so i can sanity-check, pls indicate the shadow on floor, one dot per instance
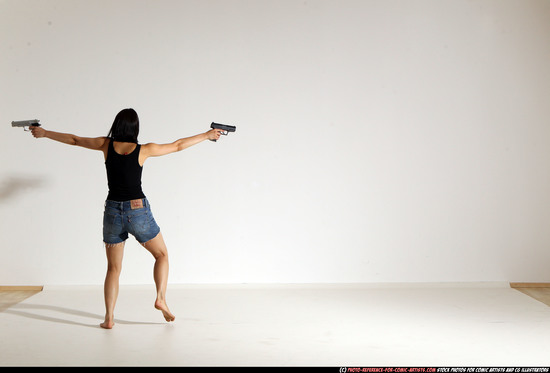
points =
(26, 310)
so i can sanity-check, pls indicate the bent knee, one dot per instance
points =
(160, 254)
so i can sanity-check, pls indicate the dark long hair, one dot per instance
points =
(125, 128)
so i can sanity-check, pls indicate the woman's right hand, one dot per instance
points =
(214, 134)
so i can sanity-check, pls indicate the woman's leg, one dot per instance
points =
(157, 247)
(114, 266)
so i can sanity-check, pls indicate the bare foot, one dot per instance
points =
(107, 324)
(161, 305)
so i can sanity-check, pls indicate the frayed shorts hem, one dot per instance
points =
(111, 244)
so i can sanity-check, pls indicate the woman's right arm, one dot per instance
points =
(157, 150)
(94, 143)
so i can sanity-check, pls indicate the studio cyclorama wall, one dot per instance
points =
(377, 141)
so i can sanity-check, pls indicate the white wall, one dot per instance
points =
(377, 141)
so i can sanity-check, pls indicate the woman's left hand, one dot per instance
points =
(38, 131)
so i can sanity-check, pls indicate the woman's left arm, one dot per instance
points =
(94, 143)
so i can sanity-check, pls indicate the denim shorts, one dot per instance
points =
(120, 218)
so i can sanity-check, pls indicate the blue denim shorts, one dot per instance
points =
(121, 218)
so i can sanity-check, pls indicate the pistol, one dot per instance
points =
(26, 124)
(226, 128)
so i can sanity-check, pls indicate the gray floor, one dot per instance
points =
(281, 325)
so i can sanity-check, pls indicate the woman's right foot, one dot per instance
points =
(107, 325)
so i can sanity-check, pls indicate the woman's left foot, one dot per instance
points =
(161, 305)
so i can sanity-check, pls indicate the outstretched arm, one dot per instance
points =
(97, 143)
(156, 150)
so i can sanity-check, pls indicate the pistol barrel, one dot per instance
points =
(223, 127)
(25, 123)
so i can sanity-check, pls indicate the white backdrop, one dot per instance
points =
(377, 141)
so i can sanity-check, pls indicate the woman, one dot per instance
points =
(127, 210)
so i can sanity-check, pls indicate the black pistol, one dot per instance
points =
(224, 127)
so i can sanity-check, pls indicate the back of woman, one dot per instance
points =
(127, 210)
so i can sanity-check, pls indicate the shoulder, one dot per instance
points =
(146, 149)
(107, 143)
(155, 150)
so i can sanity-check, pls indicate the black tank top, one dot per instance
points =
(123, 175)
